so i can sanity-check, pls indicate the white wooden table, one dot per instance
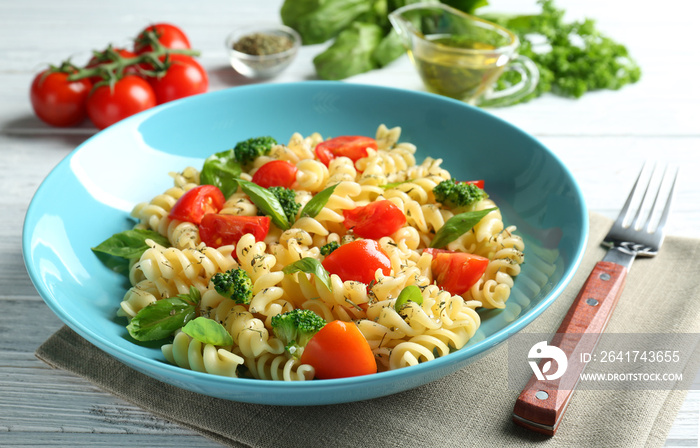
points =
(604, 138)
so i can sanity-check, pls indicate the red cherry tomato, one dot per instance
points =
(339, 350)
(197, 202)
(184, 77)
(374, 220)
(358, 261)
(351, 146)
(170, 36)
(106, 105)
(221, 230)
(57, 101)
(456, 272)
(478, 183)
(106, 57)
(277, 173)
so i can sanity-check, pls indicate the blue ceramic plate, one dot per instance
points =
(89, 195)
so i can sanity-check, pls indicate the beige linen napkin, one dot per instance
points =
(471, 407)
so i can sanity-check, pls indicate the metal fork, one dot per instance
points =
(639, 230)
(642, 236)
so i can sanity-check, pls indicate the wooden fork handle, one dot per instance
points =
(541, 404)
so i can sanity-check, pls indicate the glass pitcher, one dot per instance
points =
(461, 56)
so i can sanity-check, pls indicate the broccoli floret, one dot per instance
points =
(287, 198)
(295, 328)
(458, 194)
(326, 249)
(248, 150)
(234, 283)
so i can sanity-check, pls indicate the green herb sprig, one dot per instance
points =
(573, 57)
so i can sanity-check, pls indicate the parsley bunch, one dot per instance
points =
(572, 57)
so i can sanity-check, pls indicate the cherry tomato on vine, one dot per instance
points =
(276, 173)
(352, 146)
(170, 36)
(197, 202)
(106, 56)
(57, 101)
(374, 220)
(108, 104)
(358, 261)
(184, 77)
(339, 350)
(221, 230)
(456, 272)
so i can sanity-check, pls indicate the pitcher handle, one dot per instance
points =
(529, 75)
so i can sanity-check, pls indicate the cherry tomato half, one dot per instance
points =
(358, 261)
(352, 146)
(339, 350)
(277, 173)
(170, 36)
(197, 202)
(221, 230)
(108, 104)
(57, 101)
(184, 77)
(456, 272)
(374, 220)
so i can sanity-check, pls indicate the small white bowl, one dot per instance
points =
(262, 66)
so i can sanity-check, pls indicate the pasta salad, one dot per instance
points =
(319, 258)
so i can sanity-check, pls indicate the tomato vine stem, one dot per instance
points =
(111, 65)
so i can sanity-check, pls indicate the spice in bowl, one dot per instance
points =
(262, 52)
(263, 44)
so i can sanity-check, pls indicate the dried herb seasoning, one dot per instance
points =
(261, 44)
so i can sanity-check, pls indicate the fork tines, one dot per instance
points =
(645, 198)
(640, 226)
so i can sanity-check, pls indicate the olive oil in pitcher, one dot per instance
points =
(447, 70)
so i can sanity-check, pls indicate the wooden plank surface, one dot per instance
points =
(603, 138)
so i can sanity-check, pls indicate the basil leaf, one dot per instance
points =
(266, 202)
(161, 319)
(389, 48)
(221, 170)
(350, 53)
(409, 293)
(457, 226)
(208, 331)
(130, 243)
(117, 251)
(316, 204)
(319, 21)
(310, 265)
(116, 264)
(395, 184)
